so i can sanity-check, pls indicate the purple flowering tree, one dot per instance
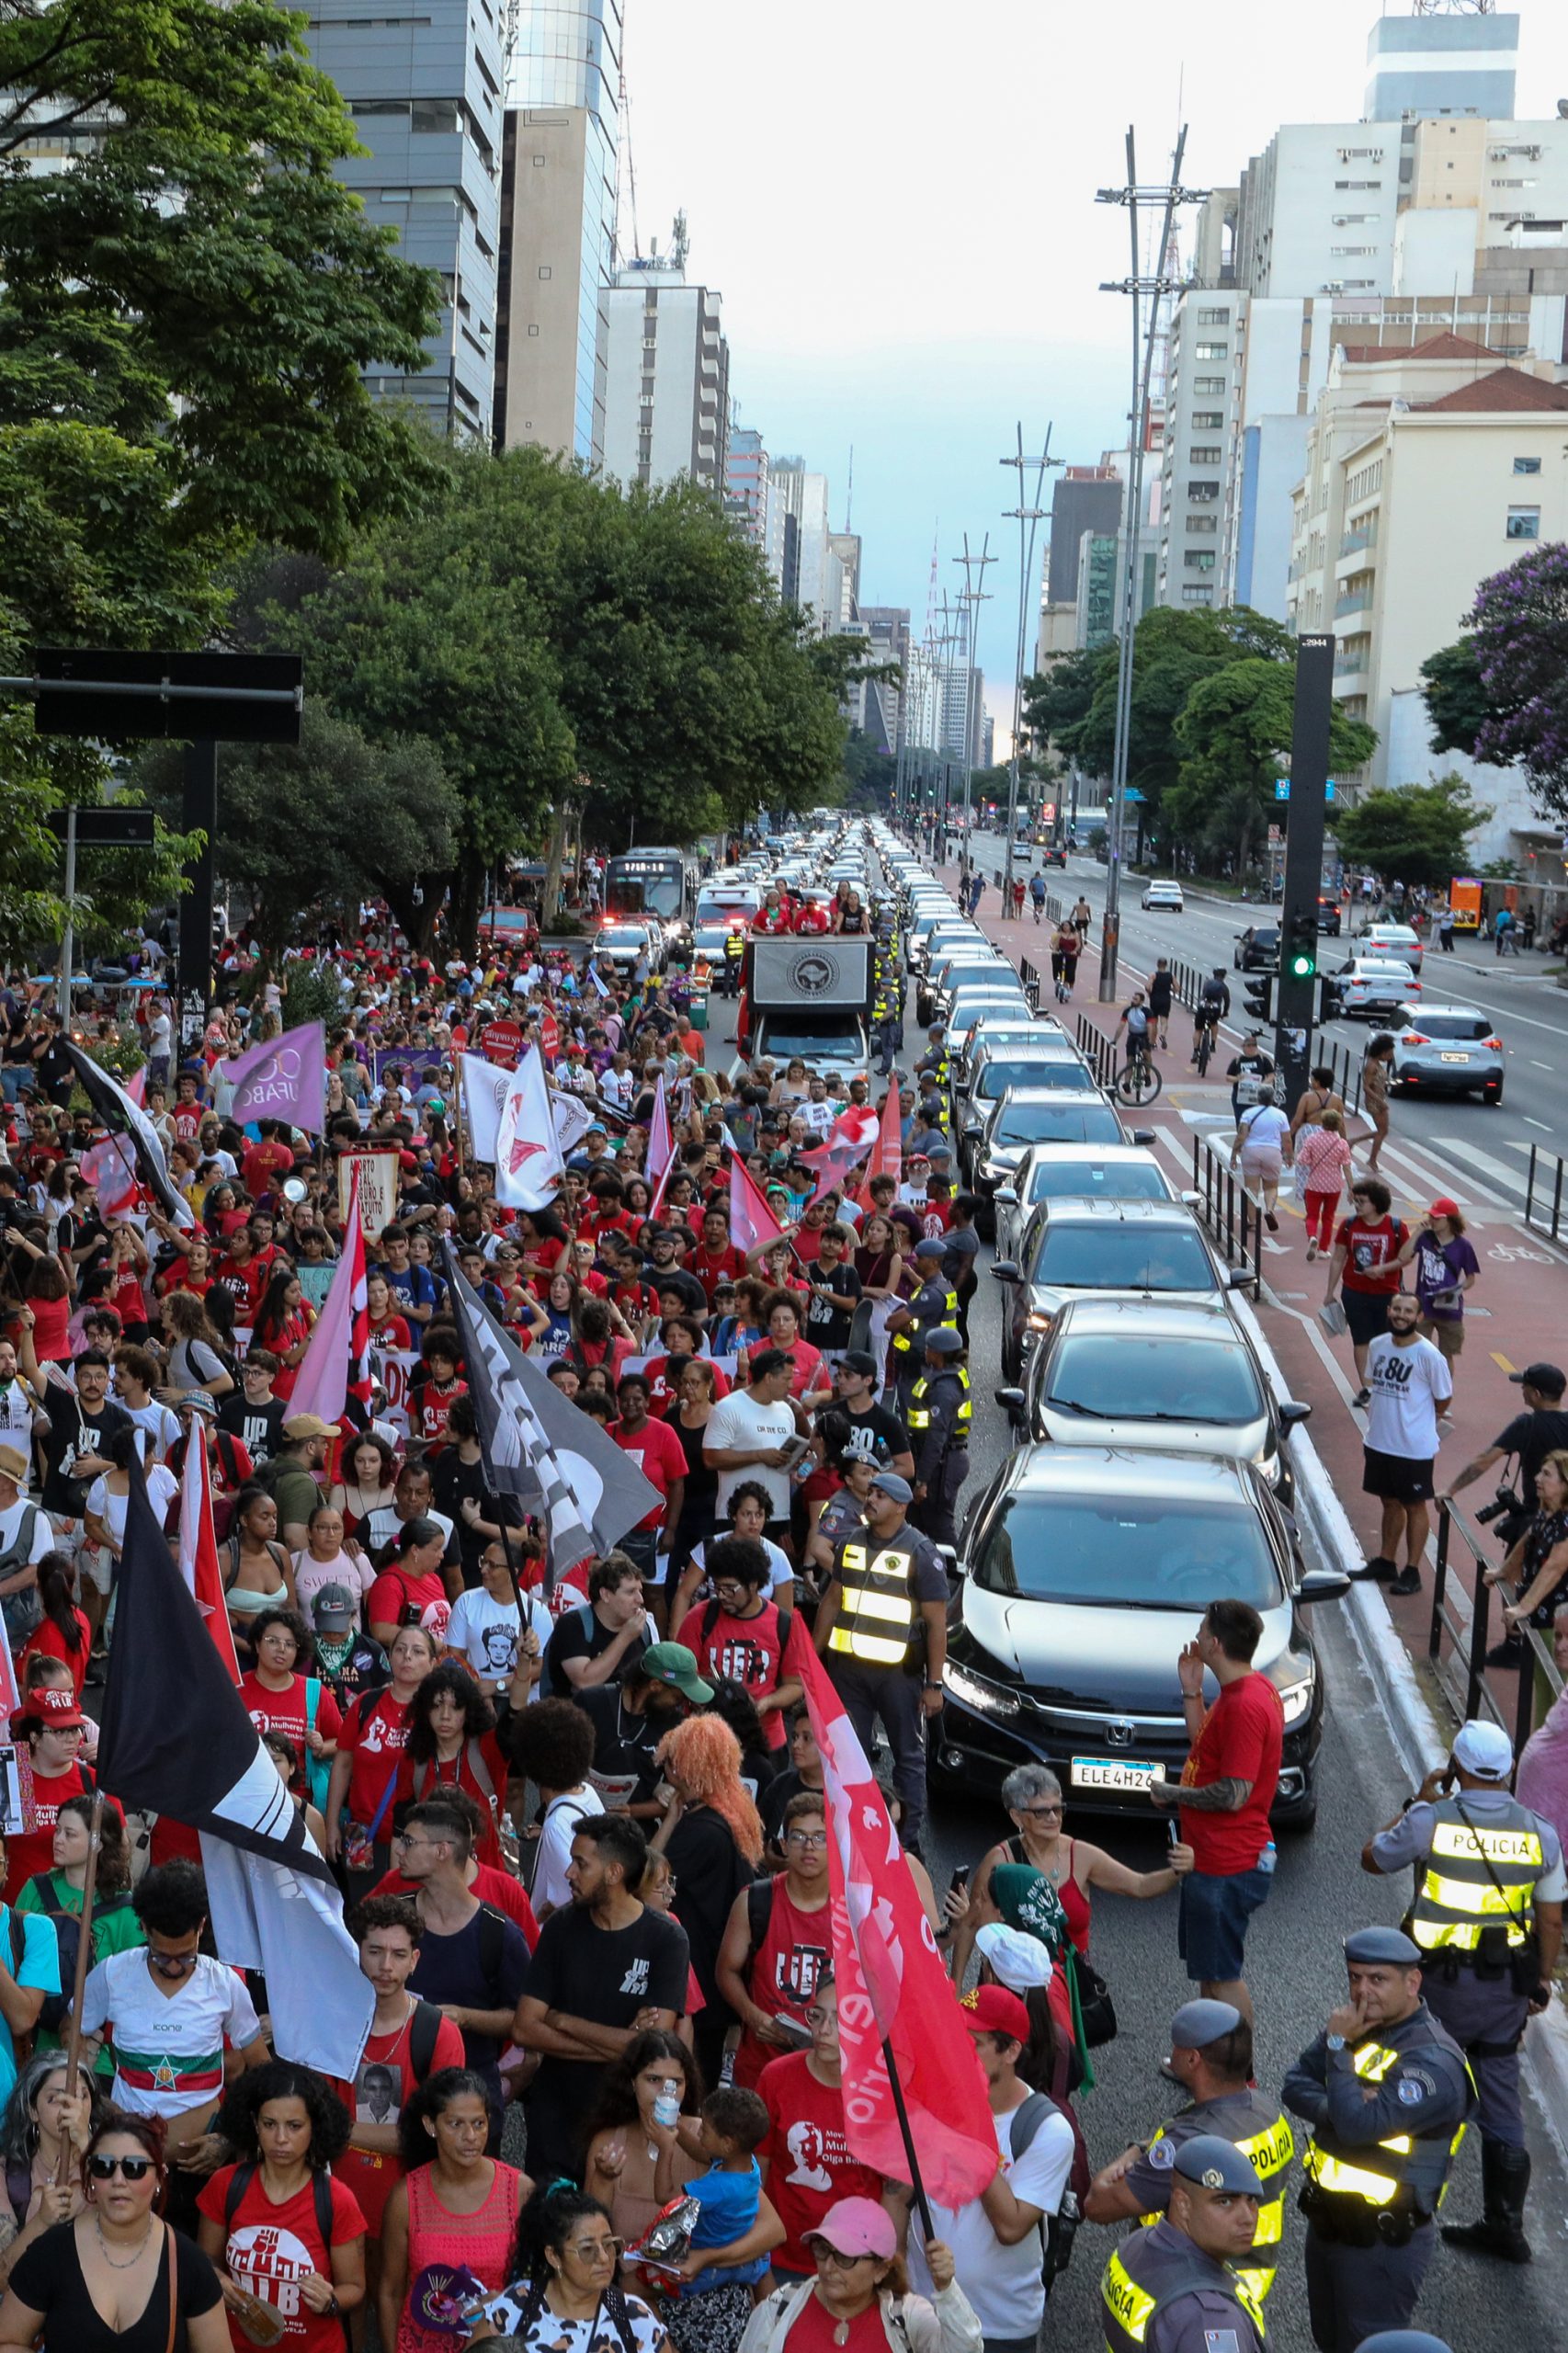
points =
(1520, 624)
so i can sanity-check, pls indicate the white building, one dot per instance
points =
(666, 375)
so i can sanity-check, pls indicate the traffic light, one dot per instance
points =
(1301, 946)
(1258, 995)
(1331, 999)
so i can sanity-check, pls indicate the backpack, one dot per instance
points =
(68, 1937)
(714, 1611)
(585, 1616)
(1058, 2231)
(425, 2024)
(321, 2192)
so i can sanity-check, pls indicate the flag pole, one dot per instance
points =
(83, 1956)
(916, 2183)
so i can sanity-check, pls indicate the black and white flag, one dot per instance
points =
(124, 1118)
(176, 1739)
(538, 1447)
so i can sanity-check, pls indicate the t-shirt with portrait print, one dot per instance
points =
(551, 2334)
(271, 2250)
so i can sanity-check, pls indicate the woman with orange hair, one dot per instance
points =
(713, 1837)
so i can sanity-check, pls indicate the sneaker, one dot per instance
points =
(1408, 1579)
(1377, 1566)
(1509, 1653)
(1312, 1249)
(1362, 1397)
(1271, 1220)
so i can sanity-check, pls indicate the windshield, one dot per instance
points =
(652, 893)
(719, 910)
(1122, 1257)
(1114, 1180)
(1454, 1025)
(1154, 1553)
(1038, 1069)
(620, 935)
(813, 1045)
(1022, 1123)
(1155, 1380)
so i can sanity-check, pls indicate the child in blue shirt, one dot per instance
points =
(731, 2126)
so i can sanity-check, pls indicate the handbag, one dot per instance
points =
(1096, 2011)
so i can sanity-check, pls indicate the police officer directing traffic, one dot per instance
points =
(1387, 2093)
(882, 1626)
(940, 1408)
(1211, 2059)
(1487, 1915)
(935, 1303)
(1172, 2287)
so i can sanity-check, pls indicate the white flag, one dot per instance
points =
(484, 1085)
(528, 1165)
(574, 1117)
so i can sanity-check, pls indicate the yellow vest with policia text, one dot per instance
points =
(913, 1335)
(1406, 2168)
(1263, 2135)
(919, 1414)
(878, 1614)
(1147, 2273)
(1481, 1873)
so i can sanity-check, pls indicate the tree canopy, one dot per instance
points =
(1233, 731)
(1417, 834)
(1520, 620)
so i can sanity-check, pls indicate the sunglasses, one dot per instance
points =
(836, 2256)
(102, 2168)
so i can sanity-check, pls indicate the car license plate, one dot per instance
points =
(1453, 1058)
(1113, 1773)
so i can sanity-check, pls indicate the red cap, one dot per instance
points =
(1443, 1207)
(47, 1707)
(992, 2009)
(406, 1160)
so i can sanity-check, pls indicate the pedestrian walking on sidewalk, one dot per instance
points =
(1161, 990)
(1375, 1072)
(1446, 1267)
(1411, 1388)
(1364, 1268)
(1322, 1163)
(977, 885)
(1065, 950)
(1037, 894)
(1019, 889)
(1262, 1144)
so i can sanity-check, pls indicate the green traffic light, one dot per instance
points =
(1303, 965)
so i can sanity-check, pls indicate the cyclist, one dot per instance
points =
(1213, 1004)
(1037, 893)
(1137, 1020)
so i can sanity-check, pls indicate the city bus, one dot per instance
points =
(652, 882)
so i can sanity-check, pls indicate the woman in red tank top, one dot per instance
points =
(455, 2208)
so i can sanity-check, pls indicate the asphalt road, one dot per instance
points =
(1486, 1148)
(1295, 1966)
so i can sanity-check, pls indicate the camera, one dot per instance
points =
(1505, 1499)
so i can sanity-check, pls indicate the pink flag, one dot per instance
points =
(282, 1078)
(892, 1988)
(335, 1363)
(847, 1143)
(887, 1153)
(751, 1220)
(110, 1165)
(661, 1144)
(198, 1551)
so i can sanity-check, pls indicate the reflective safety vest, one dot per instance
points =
(1416, 2162)
(916, 1333)
(918, 1418)
(1459, 1896)
(1262, 2132)
(1146, 2273)
(877, 1609)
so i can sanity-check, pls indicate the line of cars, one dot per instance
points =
(1149, 1469)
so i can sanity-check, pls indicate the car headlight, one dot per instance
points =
(1038, 1322)
(1268, 1467)
(978, 1691)
(1296, 1699)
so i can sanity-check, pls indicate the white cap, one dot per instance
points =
(1484, 1750)
(1017, 1960)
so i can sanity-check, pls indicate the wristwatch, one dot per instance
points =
(1334, 2041)
(929, 1686)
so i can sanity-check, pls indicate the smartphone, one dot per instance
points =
(1175, 1834)
(961, 1878)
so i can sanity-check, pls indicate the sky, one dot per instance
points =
(896, 200)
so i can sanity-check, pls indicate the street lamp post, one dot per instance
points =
(972, 599)
(1028, 518)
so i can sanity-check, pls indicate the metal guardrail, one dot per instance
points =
(1226, 1207)
(1543, 1192)
(1098, 1049)
(1457, 1644)
(1346, 1077)
(1030, 980)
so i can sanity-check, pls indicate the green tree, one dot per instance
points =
(1457, 703)
(325, 821)
(1413, 833)
(1233, 732)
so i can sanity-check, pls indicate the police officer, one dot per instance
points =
(1386, 2091)
(1171, 2288)
(1487, 1915)
(1211, 2060)
(935, 1058)
(935, 1303)
(940, 1409)
(882, 1626)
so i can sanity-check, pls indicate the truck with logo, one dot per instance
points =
(807, 999)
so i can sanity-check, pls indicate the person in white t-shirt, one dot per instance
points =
(552, 1745)
(998, 2239)
(746, 1436)
(1411, 1386)
(489, 1626)
(1262, 1144)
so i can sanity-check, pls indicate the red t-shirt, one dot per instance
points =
(1240, 1741)
(247, 1286)
(661, 1458)
(497, 1888)
(391, 1333)
(460, 1774)
(27, 1851)
(744, 1650)
(375, 1734)
(269, 2249)
(434, 1404)
(288, 1711)
(371, 2175)
(395, 1593)
(663, 1376)
(795, 1950)
(1369, 1253)
(46, 1641)
(713, 1267)
(810, 2167)
(259, 1164)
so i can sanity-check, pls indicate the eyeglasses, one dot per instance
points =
(102, 2168)
(1044, 1812)
(806, 1838)
(836, 2256)
(171, 1964)
(596, 2250)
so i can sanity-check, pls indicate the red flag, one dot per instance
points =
(336, 1363)
(845, 1146)
(751, 1221)
(198, 1551)
(887, 1152)
(661, 1142)
(892, 1985)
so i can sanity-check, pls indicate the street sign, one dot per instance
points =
(104, 829)
(225, 711)
(1282, 788)
(1274, 833)
(503, 1045)
(548, 1036)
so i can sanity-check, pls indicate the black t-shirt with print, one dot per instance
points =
(874, 1435)
(73, 1431)
(606, 1975)
(828, 1327)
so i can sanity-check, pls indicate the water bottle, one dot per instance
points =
(1269, 1857)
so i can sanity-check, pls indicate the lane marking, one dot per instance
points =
(1535, 1123)
(1496, 1170)
(1499, 1358)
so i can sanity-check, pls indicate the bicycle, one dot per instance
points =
(1207, 1032)
(1137, 1081)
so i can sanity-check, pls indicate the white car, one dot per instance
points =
(1371, 986)
(1164, 897)
(1395, 941)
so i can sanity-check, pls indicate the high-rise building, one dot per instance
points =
(426, 95)
(666, 375)
(747, 476)
(799, 554)
(558, 222)
(879, 710)
(1460, 63)
(1083, 498)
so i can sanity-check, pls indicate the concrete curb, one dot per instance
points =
(1417, 1733)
